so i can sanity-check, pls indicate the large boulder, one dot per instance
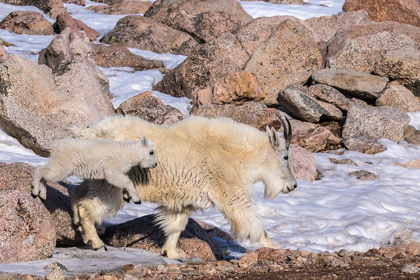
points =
(389, 49)
(326, 27)
(205, 20)
(329, 94)
(18, 176)
(74, 47)
(3, 54)
(151, 109)
(143, 233)
(147, 34)
(398, 96)
(65, 20)
(235, 88)
(119, 56)
(303, 163)
(124, 8)
(27, 228)
(290, 55)
(358, 84)
(375, 122)
(405, 11)
(25, 22)
(250, 113)
(36, 105)
(204, 67)
(253, 34)
(51, 7)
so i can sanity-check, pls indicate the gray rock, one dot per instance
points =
(330, 95)
(204, 67)
(27, 228)
(358, 84)
(398, 96)
(375, 122)
(362, 144)
(301, 105)
(36, 105)
(290, 55)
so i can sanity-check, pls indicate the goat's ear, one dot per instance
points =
(272, 136)
(143, 140)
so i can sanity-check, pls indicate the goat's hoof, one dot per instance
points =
(137, 202)
(126, 199)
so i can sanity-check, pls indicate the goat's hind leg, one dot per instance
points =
(39, 184)
(87, 223)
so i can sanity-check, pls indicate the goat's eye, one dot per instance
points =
(151, 153)
(286, 157)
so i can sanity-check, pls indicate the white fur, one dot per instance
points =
(202, 163)
(95, 159)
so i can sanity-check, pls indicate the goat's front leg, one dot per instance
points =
(172, 223)
(123, 182)
(89, 233)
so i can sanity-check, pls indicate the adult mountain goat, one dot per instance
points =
(202, 163)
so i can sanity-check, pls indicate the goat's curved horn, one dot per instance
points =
(289, 133)
(284, 128)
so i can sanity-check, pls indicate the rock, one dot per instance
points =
(314, 140)
(65, 20)
(290, 55)
(362, 144)
(301, 105)
(151, 109)
(146, 34)
(77, 2)
(303, 164)
(4, 43)
(144, 234)
(330, 95)
(272, 255)
(326, 27)
(36, 106)
(250, 113)
(51, 7)
(389, 49)
(375, 122)
(123, 8)
(410, 268)
(204, 67)
(253, 34)
(411, 164)
(73, 47)
(27, 228)
(405, 11)
(403, 66)
(235, 88)
(333, 113)
(25, 22)
(290, 2)
(248, 260)
(398, 96)
(364, 175)
(18, 176)
(119, 56)
(203, 20)
(412, 135)
(343, 161)
(354, 83)
(3, 54)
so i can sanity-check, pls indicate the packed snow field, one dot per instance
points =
(336, 212)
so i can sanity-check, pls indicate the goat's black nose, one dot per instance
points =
(295, 186)
(154, 165)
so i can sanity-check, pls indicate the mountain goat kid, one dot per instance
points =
(202, 163)
(95, 159)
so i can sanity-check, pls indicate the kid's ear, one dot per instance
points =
(143, 140)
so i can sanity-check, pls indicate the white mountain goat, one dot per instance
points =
(95, 159)
(202, 163)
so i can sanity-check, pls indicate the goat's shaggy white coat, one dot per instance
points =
(202, 163)
(95, 159)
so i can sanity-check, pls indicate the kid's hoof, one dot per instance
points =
(126, 199)
(137, 202)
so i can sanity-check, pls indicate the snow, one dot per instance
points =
(336, 212)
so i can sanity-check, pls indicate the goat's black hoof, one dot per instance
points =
(137, 202)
